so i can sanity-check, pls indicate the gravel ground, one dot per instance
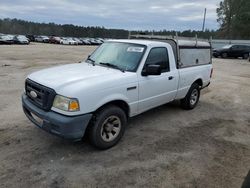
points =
(165, 147)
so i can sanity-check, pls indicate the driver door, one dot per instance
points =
(160, 89)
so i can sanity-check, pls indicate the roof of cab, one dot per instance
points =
(188, 43)
(136, 41)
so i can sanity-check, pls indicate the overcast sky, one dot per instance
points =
(124, 14)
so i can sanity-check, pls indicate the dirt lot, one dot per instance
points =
(165, 147)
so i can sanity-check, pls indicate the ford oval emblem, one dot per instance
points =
(33, 94)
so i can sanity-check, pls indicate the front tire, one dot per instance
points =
(192, 97)
(107, 127)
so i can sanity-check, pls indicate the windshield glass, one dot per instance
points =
(123, 55)
(227, 46)
(7, 37)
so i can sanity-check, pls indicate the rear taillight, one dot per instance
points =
(211, 73)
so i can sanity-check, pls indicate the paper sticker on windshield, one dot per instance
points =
(135, 49)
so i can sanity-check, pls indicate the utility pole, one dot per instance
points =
(204, 20)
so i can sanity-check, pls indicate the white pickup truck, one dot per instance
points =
(120, 79)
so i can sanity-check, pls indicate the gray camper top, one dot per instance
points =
(187, 51)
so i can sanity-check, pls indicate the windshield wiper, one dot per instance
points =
(112, 66)
(91, 60)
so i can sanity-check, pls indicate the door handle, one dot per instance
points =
(170, 78)
(131, 88)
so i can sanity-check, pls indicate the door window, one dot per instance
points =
(158, 56)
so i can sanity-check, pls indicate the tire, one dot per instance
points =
(192, 98)
(107, 127)
(224, 55)
(245, 56)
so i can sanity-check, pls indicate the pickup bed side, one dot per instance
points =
(188, 76)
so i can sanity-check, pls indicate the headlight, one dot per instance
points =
(66, 104)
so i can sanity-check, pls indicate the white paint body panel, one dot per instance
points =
(95, 86)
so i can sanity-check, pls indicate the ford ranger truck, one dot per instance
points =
(119, 80)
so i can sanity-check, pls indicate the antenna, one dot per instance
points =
(204, 20)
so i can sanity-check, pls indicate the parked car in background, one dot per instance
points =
(38, 39)
(54, 40)
(31, 38)
(68, 41)
(44, 39)
(20, 39)
(232, 51)
(101, 39)
(85, 41)
(95, 41)
(6, 39)
(79, 42)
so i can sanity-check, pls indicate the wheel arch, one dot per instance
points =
(199, 82)
(120, 103)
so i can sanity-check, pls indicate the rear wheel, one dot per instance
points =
(246, 56)
(224, 55)
(107, 127)
(192, 97)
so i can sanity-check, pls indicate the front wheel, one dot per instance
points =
(192, 97)
(107, 127)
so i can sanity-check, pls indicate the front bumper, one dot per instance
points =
(69, 127)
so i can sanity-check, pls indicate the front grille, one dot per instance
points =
(45, 95)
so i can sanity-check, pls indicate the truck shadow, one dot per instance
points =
(149, 120)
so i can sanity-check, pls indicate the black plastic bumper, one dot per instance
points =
(69, 127)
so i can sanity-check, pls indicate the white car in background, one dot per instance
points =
(44, 39)
(6, 39)
(68, 41)
(79, 42)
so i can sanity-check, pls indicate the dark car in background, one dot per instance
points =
(20, 39)
(232, 51)
(31, 38)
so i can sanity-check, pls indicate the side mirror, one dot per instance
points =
(153, 70)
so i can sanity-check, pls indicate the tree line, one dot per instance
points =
(16, 26)
(234, 19)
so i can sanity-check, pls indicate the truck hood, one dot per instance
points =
(61, 77)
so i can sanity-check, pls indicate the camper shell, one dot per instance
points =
(188, 52)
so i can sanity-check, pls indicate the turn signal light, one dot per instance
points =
(73, 105)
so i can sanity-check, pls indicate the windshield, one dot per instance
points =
(123, 55)
(6, 37)
(227, 46)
